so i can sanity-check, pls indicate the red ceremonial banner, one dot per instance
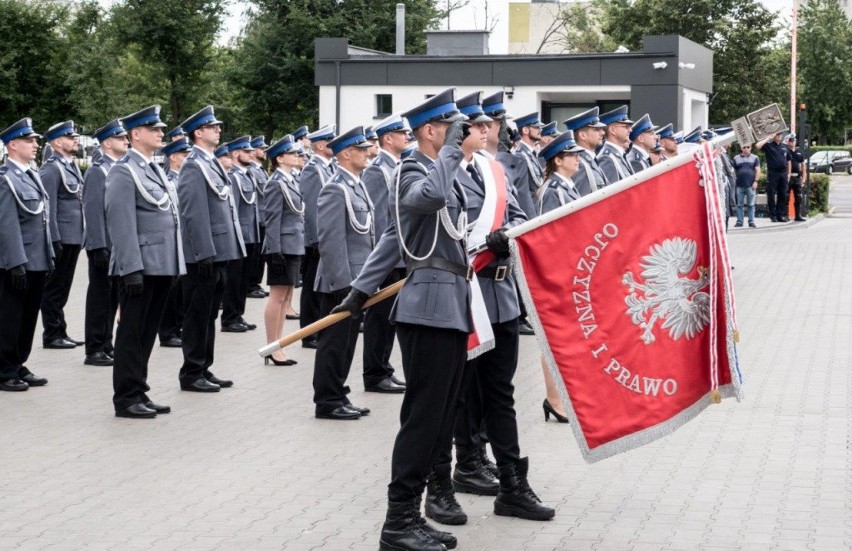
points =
(619, 292)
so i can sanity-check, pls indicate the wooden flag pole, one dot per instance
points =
(330, 319)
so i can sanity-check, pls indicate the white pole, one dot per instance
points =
(793, 63)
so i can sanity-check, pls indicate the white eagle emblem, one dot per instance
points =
(667, 295)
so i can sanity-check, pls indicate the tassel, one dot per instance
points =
(736, 335)
(715, 396)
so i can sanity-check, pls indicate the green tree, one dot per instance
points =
(825, 53)
(749, 68)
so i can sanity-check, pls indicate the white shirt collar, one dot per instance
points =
(23, 168)
(615, 145)
(568, 181)
(201, 150)
(393, 157)
(141, 156)
(355, 178)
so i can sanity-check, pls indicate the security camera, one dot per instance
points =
(660, 65)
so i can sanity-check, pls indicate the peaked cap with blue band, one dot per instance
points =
(180, 144)
(529, 120)
(493, 105)
(150, 116)
(110, 130)
(666, 131)
(60, 129)
(724, 130)
(353, 138)
(300, 133)
(586, 118)
(641, 126)
(549, 129)
(708, 134)
(394, 123)
(370, 133)
(327, 132)
(174, 133)
(241, 143)
(440, 107)
(21, 129)
(694, 136)
(259, 142)
(203, 117)
(678, 137)
(221, 151)
(285, 145)
(470, 106)
(562, 143)
(619, 114)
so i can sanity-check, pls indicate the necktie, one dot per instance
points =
(474, 173)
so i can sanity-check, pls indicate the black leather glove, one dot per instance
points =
(18, 278)
(57, 249)
(205, 268)
(456, 134)
(352, 303)
(133, 283)
(100, 259)
(505, 137)
(498, 242)
(276, 263)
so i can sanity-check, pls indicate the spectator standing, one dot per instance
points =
(798, 172)
(777, 178)
(747, 168)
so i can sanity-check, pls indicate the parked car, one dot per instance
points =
(830, 162)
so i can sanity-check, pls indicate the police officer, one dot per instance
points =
(147, 254)
(432, 313)
(258, 174)
(101, 295)
(798, 174)
(313, 177)
(345, 238)
(245, 194)
(562, 161)
(666, 137)
(611, 157)
(172, 135)
(284, 243)
(175, 154)
(300, 137)
(529, 129)
(373, 138)
(26, 254)
(379, 332)
(548, 133)
(64, 183)
(643, 140)
(691, 140)
(588, 133)
(212, 238)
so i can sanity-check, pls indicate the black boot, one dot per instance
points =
(516, 498)
(403, 529)
(471, 476)
(441, 504)
(486, 461)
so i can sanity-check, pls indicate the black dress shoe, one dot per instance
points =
(235, 327)
(98, 358)
(34, 380)
(397, 381)
(801, 219)
(60, 344)
(341, 413)
(137, 411)
(385, 386)
(13, 385)
(361, 411)
(157, 407)
(250, 326)
(172, 342)
(256, 293)
(309, 344)
(524, 328)
(75, 341)
(224, 383)
(200, 385)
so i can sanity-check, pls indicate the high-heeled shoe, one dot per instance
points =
(267, 359)
(548, 410)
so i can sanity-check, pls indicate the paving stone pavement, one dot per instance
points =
(251, 469)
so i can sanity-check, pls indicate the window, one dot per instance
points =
(384, 105)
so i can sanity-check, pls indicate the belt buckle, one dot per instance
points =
(501, 272)
(470, 273)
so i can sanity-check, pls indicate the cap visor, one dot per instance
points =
(573, 149)
(362, 145)
(596, 125)
(481, 118)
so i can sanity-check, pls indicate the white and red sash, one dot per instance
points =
(490, 218)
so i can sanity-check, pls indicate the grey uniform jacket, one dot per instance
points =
(145, 236)
(63, 182)
(590, 177)
(311, 180)
(259, 179)
(94, 213)
(430, 297)
(247, 199)
(556, 192)
(24, 236)
(517, 177)
(638, 160)
(529, 169)
(285, 223)
(210, 225)
(380, 178)
(501, 297)
(343, 248)
(613, 163)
